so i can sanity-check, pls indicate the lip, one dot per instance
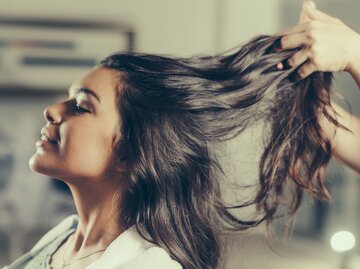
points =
(47, 137)
(43, 143)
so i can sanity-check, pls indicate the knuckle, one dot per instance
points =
(316, 63)
(313, 51)
(283, 41)
(312, 34)
(309, 36)
(301, 72)
(291, 62)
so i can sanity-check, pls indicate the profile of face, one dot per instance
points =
(80, 132)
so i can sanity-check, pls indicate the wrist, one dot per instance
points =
(354, 70)
(353, 66)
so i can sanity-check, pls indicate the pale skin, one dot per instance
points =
(327, 44)
(81, 160)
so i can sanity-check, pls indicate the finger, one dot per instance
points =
(298, 58)
(295, 60)
(306, 69)
(310, 4)
(303, 15)
(293, 30)
(293, 41)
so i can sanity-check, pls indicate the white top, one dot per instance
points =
(128, 251)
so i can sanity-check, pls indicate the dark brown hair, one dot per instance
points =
(173, 109)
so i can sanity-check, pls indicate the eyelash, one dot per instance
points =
(80, 110)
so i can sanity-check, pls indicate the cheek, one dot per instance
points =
(85, 150)
(86, 154)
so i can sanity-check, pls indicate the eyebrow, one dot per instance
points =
(87, 91)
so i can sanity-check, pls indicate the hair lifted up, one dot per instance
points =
(173, 109)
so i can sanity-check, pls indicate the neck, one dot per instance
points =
(97, 203)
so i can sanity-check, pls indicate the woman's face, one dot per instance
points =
(85, 127)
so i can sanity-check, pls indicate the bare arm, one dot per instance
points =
(346, 145)
(354, 70)
(330, 46)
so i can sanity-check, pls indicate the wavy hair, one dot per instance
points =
(173, 109)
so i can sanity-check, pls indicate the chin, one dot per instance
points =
(38, 165)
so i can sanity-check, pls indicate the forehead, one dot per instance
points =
(101, 80)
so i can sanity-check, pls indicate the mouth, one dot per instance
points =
(47, 139)
(45, 136)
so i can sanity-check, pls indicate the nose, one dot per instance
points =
(53, 114)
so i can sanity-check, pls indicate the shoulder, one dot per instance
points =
(136, 253)
(56, 231)
(154, 257)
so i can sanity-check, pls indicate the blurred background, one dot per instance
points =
(46, 45)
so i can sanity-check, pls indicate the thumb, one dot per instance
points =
(311, 4)
(304, 15)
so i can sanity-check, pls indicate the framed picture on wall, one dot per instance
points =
(49, 54)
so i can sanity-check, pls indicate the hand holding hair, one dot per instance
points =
(326, 43)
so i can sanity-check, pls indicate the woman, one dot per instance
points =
(133, 139)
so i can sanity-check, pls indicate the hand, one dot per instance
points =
(326, 43)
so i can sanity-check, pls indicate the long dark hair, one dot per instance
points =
(173, 109)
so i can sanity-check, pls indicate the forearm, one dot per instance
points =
(354, 68)
(345, 145)
(355, 73)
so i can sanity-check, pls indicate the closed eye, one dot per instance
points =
(80, 109)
